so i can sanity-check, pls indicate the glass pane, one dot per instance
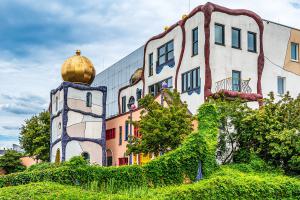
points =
(280, 83)
(235, 38)
(189, 80)
(161, 50)
(170, 55)
(183, 82)
(169, 82)
(198, 77)
(195, 48)
(194, 78)
(251, 42)
(195, 35)
(294, 51)
(236, 81)
(170, 46)
(161, 60)
(219, 34)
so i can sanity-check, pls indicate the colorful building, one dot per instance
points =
(211, 50)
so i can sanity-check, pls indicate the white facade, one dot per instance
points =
(224, 60)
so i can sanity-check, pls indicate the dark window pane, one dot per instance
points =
(170, 55)
(294, 51)
(251, 42)
(236, 38)
(161, 60)
(170, 46)
(124, 104)
(120, 135)
(151, 64)
(195, 41)
(219, 34)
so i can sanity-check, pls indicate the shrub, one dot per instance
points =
(171, 168)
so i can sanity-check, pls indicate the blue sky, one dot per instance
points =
(37, 36)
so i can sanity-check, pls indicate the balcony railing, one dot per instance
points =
(227, 85)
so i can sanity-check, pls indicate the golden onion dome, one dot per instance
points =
(78, 69)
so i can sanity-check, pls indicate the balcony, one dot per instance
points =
(231, 89)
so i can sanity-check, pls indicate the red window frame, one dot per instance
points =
(110, 134)
(123, 161)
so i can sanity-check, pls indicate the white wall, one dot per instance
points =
(224, 59)
(56, 128)
(60, 95)
(131, 91)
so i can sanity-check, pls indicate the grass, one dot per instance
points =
(230, 182)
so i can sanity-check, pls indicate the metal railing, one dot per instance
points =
(227, 84)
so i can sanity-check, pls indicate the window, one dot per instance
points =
(280, 85)
(219, 34)
(191, 80)
(251, 42)
(86, 156)
(109, 157)
(126, 131)
(294, 51)
(136, 132)
(195, 41)
(165, 53)
(110, 134)
(151, 64)
(130, 102)
(123, 161)
(89, 99)
(236, 38)
(156, 88)
(56, 103)
(120, 135)
(236, 81)
(123, 104)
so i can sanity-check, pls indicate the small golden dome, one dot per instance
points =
(78, 69)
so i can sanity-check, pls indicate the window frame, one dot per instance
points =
(195, 43)
(126, 131)
(223, 34)
(239, 38)
(190, 76)
(157, 85)
(166, 52)
(283, 85)
(255, 41)
(123, 106)
(240, 80)
(297, 52)
(150, 62)
(120, 135)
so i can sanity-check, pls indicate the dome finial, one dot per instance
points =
(78, 52)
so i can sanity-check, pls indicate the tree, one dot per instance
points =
(273, 133)
(162, 128)
(11, 162)
(35, 136)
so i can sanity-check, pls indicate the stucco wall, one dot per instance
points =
(77, 100)
(130, 91)
(60, 95)
(56, 127)
(54, 150)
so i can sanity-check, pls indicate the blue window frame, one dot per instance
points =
(156, 88)
(120, 135)
(236, 81)
(165, 53)
(89, 99)
(190, 80)
(195, 41)
(126, 131)
(150, 64)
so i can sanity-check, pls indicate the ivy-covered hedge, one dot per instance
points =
(174, 167)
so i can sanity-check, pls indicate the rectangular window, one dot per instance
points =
(191, 80)
(236, 81)
(280, 85)
(165, 52)
(123, 104)
(151, 64)
(219, 34)
(120, 135)
(236, 38)
(156, 88)
(110, 134)
(123, 161)
(195, 41)
(251, 42)
(294, 51)
(136, 132)
(126, 131)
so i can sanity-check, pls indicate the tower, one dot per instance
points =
(78, 114)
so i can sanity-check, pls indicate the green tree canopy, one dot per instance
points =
(35, 136)
(162, 128)
(11, 162)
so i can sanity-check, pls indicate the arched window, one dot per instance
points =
(130, 102)
(57, 156)
(56, 103)
(89, 99)
(86, 156)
